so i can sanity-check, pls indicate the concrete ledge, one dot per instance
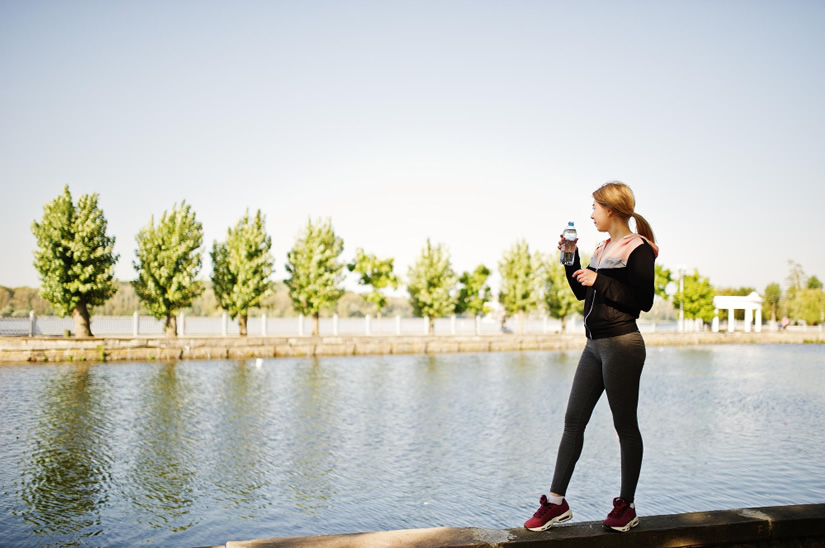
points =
(800, 526)
(95, 349)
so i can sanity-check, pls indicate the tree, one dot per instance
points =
(474, 292)
(315, 271)
(813, 283)
(557, 297)
(75, 258)
(241, 268)
(519, 270)
(376, 273)
(662, 277)
(807, 305)
(697, 297)
(770, 304)
(431, 280)
(168, 260)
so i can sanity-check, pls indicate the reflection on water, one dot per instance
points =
(66, 480)
(198, 453)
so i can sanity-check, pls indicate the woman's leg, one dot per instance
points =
(623, 360)
(585, 392)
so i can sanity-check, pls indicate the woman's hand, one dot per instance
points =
(586, 277)
(562, 241)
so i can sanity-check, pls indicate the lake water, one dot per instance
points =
(202, 452)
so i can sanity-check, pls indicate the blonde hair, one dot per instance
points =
(618, 197)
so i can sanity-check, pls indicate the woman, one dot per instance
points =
(616, 286)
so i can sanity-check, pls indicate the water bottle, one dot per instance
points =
(568, 248)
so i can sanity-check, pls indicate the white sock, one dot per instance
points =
(552, 499)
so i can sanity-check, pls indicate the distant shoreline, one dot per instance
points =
(98, 349)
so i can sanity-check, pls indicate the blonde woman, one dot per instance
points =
(616, 286)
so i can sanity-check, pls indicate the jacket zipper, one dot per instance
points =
(592, 304)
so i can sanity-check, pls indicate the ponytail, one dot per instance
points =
(643, 227)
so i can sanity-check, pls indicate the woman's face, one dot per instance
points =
(601, 217)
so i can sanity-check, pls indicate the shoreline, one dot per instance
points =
(149, 348)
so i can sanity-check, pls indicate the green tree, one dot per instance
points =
(770, 304)
(519, 270)
(431, 280)
(807, 305)
(697, 297)
(75, 258)
(376, 273)
(804, 299)
(556, 295)
(168, 261)
(241, 267)
(662, 277)
(6, 295)
(474, 292)
(315, 272)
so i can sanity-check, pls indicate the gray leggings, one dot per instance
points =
(612, 365)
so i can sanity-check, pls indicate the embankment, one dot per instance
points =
(60, 349)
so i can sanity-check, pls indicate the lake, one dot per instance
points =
(203, 452)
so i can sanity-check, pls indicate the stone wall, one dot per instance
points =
(799, 526)
(59, 349)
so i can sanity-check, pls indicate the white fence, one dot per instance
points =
(135, 325)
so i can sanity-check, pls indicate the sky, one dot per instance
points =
(472, 123)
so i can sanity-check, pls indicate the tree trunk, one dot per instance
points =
(82, 324)
(171, 325)
(431, 329)
(521, 323)
(315, 324)
(242, 324)
(564, 324)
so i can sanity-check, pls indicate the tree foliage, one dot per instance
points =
(75, 257)
(556, 295)
(376, 273)
(316, 274)
(168, 259)
(518, 292)
(474, 292)
(771, 300)
(241, 267)
(662, 277)
(431, 280)
(697, 297)
(804, 299)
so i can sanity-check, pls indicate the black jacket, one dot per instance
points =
(622, 289)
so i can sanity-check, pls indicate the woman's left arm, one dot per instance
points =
(638, 291)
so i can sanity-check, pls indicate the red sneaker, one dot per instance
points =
(548, 514)
(623, 516)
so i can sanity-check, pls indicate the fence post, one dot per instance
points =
(335, 324)
(32, 320)
(300, 325)
(224, 324)
(398, 324)
(263, 325)
(135, 322)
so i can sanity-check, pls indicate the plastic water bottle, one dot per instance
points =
(568, 248)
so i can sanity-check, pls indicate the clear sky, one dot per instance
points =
(473, 123)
